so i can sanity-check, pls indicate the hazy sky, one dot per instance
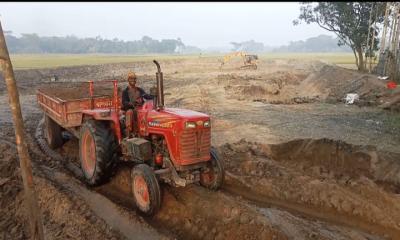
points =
(202, 24)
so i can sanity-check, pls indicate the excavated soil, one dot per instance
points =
(76, 91)
(322, 83)
(322, 174)
(317, 170)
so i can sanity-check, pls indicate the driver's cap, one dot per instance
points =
(131, 75)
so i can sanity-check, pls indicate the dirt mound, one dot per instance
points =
(277, 87)
(322, 83)
(391, 100)
(324, 175)
(333, 83)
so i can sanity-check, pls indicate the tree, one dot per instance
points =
(352, 22)
(321, 43)
(249, 46)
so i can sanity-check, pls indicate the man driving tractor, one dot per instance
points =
(132, 97)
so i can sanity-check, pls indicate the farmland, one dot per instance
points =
(300, 163)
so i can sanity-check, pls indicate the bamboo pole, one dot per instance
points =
(397, 31)
(396, 43)
(385, 25)
(373, 38)
(368, 40)
(31, 202)
(387, 68)
(394, 27)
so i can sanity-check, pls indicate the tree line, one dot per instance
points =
(32, 43)
(321, 43)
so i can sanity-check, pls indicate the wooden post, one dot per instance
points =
(31, 201)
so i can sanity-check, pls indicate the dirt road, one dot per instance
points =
(300, 164)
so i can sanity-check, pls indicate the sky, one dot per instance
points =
(201, 24)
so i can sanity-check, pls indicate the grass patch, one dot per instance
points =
(29, 61)
(392, 122)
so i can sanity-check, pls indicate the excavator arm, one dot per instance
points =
(248, 60)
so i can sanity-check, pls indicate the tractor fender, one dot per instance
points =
(104, 115)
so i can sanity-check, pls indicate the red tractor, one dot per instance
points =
(169, 144)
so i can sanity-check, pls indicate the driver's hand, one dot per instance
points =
(139, 101)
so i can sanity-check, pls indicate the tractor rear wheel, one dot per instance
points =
(214, 176)
(52, 133)
(98, 151)
(145, 189)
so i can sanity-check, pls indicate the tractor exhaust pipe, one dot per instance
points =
(160, 87)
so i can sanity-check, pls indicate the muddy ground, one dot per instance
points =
(300, 163)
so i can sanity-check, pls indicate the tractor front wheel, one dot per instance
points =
(213, 177)
(145, 189)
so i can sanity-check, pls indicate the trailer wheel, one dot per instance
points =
(214, 177)
(98, 151)
(52, 133)
(145, 189)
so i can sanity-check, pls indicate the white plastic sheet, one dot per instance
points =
(351, 98)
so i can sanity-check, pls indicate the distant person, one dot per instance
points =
(133, 96)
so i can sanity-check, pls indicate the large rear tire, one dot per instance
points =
(98, 151)
(52, 133)
(214, 177)
(145, 189)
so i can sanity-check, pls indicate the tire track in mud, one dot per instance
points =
(237, 187)
(128, 223)
(233, 188)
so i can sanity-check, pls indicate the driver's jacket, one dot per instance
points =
(128, 103)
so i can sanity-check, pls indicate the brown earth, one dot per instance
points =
(317, 170)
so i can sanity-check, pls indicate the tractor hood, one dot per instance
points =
(184, 113)
(172, 116)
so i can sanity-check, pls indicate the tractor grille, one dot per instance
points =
(195, 145)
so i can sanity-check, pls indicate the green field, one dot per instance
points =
(29, 61)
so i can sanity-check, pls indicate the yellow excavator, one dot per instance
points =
(249, 60)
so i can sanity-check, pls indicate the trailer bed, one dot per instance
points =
(64, 104)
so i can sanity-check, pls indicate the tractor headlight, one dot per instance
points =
(207, 123)
(190, 125)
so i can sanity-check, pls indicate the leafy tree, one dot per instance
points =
(350, 21)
